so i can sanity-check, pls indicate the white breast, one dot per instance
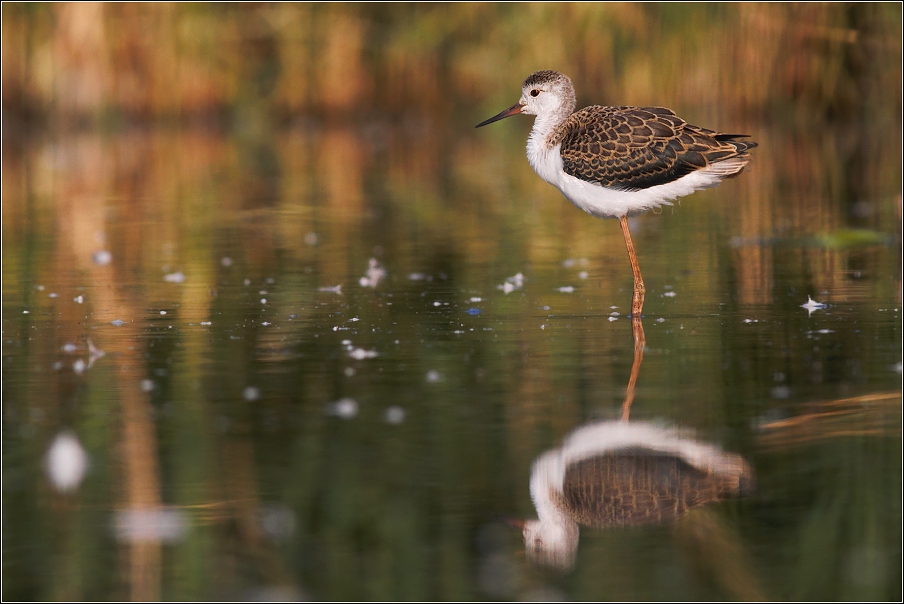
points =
(604, 202)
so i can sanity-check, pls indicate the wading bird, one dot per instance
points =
(615, 162)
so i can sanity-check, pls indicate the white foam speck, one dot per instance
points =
(395, 415)
(375, 273)
(66, 462)
(345, 408)
(251, 393)
(102, 257)
(152, 524)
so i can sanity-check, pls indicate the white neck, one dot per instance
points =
(547, 477)
(543, 156)
(545, 125)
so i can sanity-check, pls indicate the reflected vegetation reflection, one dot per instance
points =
(313, 351)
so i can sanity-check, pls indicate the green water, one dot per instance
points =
(371, 441)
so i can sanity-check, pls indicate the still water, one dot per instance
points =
(320, 363)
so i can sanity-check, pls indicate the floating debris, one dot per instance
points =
(206, 323)
(53, 295)
(345, 408)
(277, 521)
(417, 277)
(613, 319)
(395, 415)
(669, 295)
(79, 299)
(812, 305)
(176, 277)
(512, 283)
(79, 367)
(102, 257)
(660, 320)
(474, 311)
(331, 289)
(69, 347)
(781, 392)
(360, 354)
(94, 354)
(226, 261)
(434, 376)
(475, 299)
(147, 385)
(251, 393)
(66, 462)
(150, 524)
(117, 322)
(751, 320)
(311, 238)
(567, 289)
(375, 273)
(583, 275)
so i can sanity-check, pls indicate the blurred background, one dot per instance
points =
(257, 342)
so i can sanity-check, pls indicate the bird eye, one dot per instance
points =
(535, 92)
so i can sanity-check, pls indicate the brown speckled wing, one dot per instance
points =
(636, 487)
(633, 148)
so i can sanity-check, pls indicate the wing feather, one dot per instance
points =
(634, 148)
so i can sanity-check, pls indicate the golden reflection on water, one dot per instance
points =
(163, 202)
(219, 165)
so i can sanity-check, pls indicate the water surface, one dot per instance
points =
(319, 363)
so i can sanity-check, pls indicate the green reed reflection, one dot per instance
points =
(280, 149)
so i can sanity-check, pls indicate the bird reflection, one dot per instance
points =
(621, 473)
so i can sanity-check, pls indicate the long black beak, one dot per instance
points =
(513, 110)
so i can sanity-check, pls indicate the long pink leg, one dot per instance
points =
(640, 340)
(639, 289)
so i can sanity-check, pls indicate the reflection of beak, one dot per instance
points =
(513, 110)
